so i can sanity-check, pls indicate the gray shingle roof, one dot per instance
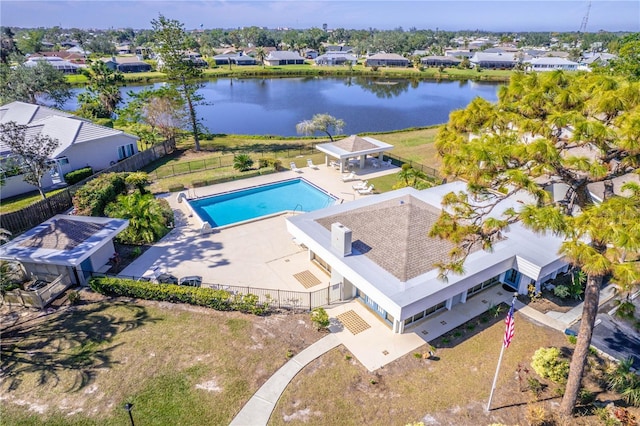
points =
(394, 235)
(62, 234)
(354, 143)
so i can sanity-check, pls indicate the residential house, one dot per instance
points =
(377, 249)
(127, 64)
(440, 61)
(283, 57)
(81, 143)
(338, 48)
(235, 59)
(551, 64)
(459, 54)
(58, 63)
(336, 58)
(310, 53)
(493, 60)
(386, 60)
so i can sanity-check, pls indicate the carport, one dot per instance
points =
(352, 148)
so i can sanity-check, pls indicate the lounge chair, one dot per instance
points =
(360, 185)
(375, 164)
(334, 164)
(366, 191)
(388, 163)
(348, 177)
(294, 168)
(310, 164)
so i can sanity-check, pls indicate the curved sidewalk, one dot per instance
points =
(258, 409)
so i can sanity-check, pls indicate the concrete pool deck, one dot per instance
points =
(257, 254)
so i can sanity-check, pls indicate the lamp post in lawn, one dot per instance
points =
(129, 406)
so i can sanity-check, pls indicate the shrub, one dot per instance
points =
(626, 310)
(149, 218)
(561, 291)
(549, 364)
(74, 297)
(138, 180)
(92, 198)
(242, 162)
(536, 415)
(176, 187)
(320, 318)
(623, 380)
(77, 175)
(220, 300)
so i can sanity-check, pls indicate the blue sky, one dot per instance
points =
(511, 15)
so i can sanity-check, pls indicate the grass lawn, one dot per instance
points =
(177, 364)
(451, 389)
(217, 156)
(308, 69)
(21, 201)
(193, 366)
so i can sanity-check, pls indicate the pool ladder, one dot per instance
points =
(296, 208)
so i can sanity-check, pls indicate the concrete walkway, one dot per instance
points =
(258, 409)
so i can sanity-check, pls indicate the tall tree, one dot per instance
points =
(33, 151)
(172, 46)
(8, 45)
(550, 129)
(30, 41)
(320, 123)
(37, 84)
(103, 92)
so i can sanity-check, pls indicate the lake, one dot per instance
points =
(273, 106)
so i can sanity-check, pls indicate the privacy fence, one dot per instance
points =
(28, 217)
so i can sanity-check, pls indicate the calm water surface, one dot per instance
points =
(274, 106)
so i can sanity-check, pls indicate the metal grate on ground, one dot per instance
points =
(353, 322)
(307, 279)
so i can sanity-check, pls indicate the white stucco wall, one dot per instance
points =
(14, 185)
(97, 154)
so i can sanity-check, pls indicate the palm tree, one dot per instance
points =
(261, 54)
(147, 224)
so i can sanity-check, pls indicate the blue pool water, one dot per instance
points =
(251, 203)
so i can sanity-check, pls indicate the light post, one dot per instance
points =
(129, 406)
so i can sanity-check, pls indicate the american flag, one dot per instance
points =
(509, 329)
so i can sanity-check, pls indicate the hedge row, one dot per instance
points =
(220, 300)
(77, 175)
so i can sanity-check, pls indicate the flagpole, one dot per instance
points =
(495, 378)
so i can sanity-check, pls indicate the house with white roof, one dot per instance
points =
(283, 57)
(551, 64)
(377, 249)
(494, 60)
(81, 143)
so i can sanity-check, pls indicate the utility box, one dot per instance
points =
(341, 239)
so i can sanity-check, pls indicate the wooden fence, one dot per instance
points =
(30, 216)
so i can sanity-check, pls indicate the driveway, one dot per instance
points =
(615, 336)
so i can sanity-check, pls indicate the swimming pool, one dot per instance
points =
(251, 203)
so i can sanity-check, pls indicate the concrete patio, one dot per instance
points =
(256, 254)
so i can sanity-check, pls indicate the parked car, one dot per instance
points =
(192, 281)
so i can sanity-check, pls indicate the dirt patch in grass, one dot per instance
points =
(177, 364)
(451, 388)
